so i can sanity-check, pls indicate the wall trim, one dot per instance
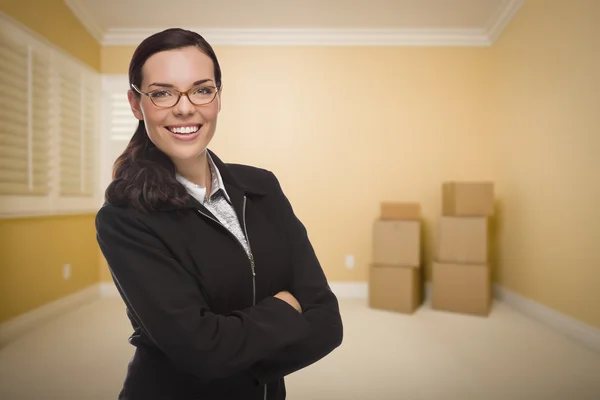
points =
(108, 290)
(50, 214)
(558, 321)
(485, 36)
(360, 290)
(498, 23)
(315, 37)
(350, 290)
(88, 22)
(38, 317)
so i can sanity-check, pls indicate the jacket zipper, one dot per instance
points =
(253, 270)
(250, 257)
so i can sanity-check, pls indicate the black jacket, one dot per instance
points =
(204, 326)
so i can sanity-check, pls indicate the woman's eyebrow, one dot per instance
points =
(168, 85)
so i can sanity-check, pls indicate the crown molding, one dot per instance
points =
(88, 22)
(485, 36)
(502, 18)
(315, 37)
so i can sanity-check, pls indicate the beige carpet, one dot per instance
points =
(426, 356)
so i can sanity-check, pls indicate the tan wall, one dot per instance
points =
(346, 128)
(32, 254)
(54, 20)
(115, 59)
(546, 134)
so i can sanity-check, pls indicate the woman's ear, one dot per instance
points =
(134, 103)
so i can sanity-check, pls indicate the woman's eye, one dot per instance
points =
(161, 93)
(204, 90)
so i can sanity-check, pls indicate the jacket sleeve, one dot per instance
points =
(319, 305)
(169, 306)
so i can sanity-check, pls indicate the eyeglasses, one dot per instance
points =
(198, 95)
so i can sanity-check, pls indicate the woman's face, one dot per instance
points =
(183, 131)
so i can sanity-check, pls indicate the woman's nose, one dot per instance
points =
(184, 106)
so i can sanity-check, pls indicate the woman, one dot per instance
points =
(222, 286)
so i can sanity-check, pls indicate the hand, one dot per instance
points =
(290, 299)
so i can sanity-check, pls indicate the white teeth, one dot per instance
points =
(185, 129)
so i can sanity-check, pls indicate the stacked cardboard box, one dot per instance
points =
(461, 271)
(395, 281)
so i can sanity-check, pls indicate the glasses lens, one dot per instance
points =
(202, 94)
(164, 97)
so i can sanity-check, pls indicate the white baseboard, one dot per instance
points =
(38, 317)
(350, 290)
(108, 290)
(360, 290)
(428, 291)
(560, 322)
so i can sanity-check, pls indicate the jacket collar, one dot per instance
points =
(198, 192)
(236, 187)
(230, 180)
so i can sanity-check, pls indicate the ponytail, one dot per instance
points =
(144, 177)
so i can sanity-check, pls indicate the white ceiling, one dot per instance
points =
(350, 22)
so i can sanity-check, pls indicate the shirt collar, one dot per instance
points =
(198, 191)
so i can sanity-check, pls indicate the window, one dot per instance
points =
(24, 111)
(120, 123)
(79, 106)
(49, 108)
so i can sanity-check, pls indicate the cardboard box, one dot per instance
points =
(397, 243)
(462, 288)
(395, 288)
(462, 240)
(467, 198)
(400, 211)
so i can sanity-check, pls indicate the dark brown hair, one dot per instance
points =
(143, 176)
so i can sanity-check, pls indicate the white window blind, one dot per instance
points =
(120, 122)
(71, 133)
(90, 131)
(40, 101)
(49, 130)
(79, 107)
(24, 112)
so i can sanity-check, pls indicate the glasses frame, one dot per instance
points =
(180, 94)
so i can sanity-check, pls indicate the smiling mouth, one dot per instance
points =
(183, 130)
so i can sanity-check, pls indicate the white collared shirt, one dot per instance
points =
(218, 203)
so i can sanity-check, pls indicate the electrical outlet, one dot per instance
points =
(349, 261)
(66, 272)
